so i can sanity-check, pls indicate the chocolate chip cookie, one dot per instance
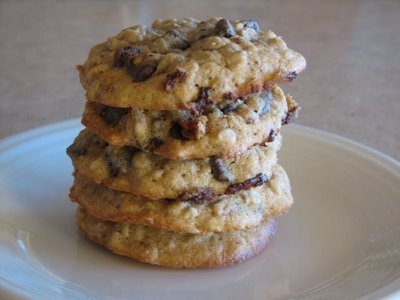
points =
(241, 211)
(224, 130)
(149, 175)
(174, 249)
(187, 63)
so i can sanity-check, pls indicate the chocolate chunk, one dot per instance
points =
(251, 24)
(200, 196)
(291, 115)
(202, 101)
(173, 79)
(154, 143)
(112, 115)
(258, 180)
(227, 106)
(271, 136)
(76, 149)
(176, 132)
(167, 200)
(123, 55)
(219, 170)
(141, 71)
(176, 40)
(193, 128)
(228, 96)
(81, 144)
(118, 159)
(291, 75)
(224, 28)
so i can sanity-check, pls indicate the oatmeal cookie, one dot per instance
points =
(225, 129)
(185, 64)
(146, 174)
(240, 211)
(174, 249)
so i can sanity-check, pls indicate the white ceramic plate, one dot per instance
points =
(341, 239)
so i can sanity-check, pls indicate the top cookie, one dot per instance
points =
(183, 64)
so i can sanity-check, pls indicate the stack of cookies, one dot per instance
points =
(178, 163)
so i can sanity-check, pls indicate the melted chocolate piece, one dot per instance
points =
(112, 115)
(118, 159)
(176, 132)
(258, 180)
(173, 79)
(224, 28)
(141, 71)
(123, 55)
(228, 96)
(82, 143)
(227, 106)
(200, 196)
(154, 143)
(202, 101)
(271, 136)
(192, 128)
(291, 115)
(291, 75)
(167, 200)
(219, 170)
(176, 40)
(76, 149)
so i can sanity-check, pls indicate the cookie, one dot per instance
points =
(185, 64)
(146, 174)
(173, 249)
(223, 130)
(240, 211)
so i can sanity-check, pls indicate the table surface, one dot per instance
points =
(351, 85)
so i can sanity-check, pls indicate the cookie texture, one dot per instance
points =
(225, 129)
(182, 64)
(146, 174)
(240, 211)
(173, 249)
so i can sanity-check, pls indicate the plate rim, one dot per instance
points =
(391, 290)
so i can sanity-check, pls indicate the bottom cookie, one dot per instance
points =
(173, 249)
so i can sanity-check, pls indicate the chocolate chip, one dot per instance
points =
(271, 136)
(141, 71)
(118, 159)
(154, 143)
(112, 115)
(202, 101)
(291, 115)
(228, 96)
(251, 24)
(173, 79)
(291, 75)
(167, 201)
(199, 196)
(176, 132)
(193, 128)
(176, 40)
(123, 55)
(224, 28)
(76, 149)
(227, 106)
(81, 144)
(258, 180)
(219, 170)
